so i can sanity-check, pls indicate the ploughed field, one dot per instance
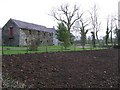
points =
(81, 69)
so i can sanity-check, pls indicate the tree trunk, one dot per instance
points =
(106, 40)
(111, 39)
(97, 38)
(93, 40)
(83, 39)
(119, 38)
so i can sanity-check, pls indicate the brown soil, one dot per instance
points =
(83, 69)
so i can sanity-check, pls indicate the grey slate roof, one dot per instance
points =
(51, 30)
(32, 26)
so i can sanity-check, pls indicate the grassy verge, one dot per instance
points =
(22, 50)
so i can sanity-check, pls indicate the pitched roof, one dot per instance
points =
(51, 30)
(32, 26)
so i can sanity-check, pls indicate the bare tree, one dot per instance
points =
(83, 31)
(66, 15)
(118, 38)
(111, 25)
(117, 30)
(107, 33)
(95, 24)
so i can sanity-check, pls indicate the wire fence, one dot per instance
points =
(40, 49)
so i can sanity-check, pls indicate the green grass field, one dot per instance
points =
(22, 50)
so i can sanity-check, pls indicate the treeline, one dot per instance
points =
(67, 17)
(73, 19)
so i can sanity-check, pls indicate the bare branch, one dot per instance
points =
(74, 11)
(58, 18)
(79, 16)
(67, 16)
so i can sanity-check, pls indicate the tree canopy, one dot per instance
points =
(63, 35)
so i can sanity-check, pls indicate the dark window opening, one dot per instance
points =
(50, 34)
(44, 33)
(38, 32)
(10, 32)
(41, 41)
(30, 32)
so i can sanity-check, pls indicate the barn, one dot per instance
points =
(16, 32)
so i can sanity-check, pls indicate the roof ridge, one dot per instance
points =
(31, 26)
(26, 22)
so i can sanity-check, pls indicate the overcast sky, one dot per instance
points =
(36, 11)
